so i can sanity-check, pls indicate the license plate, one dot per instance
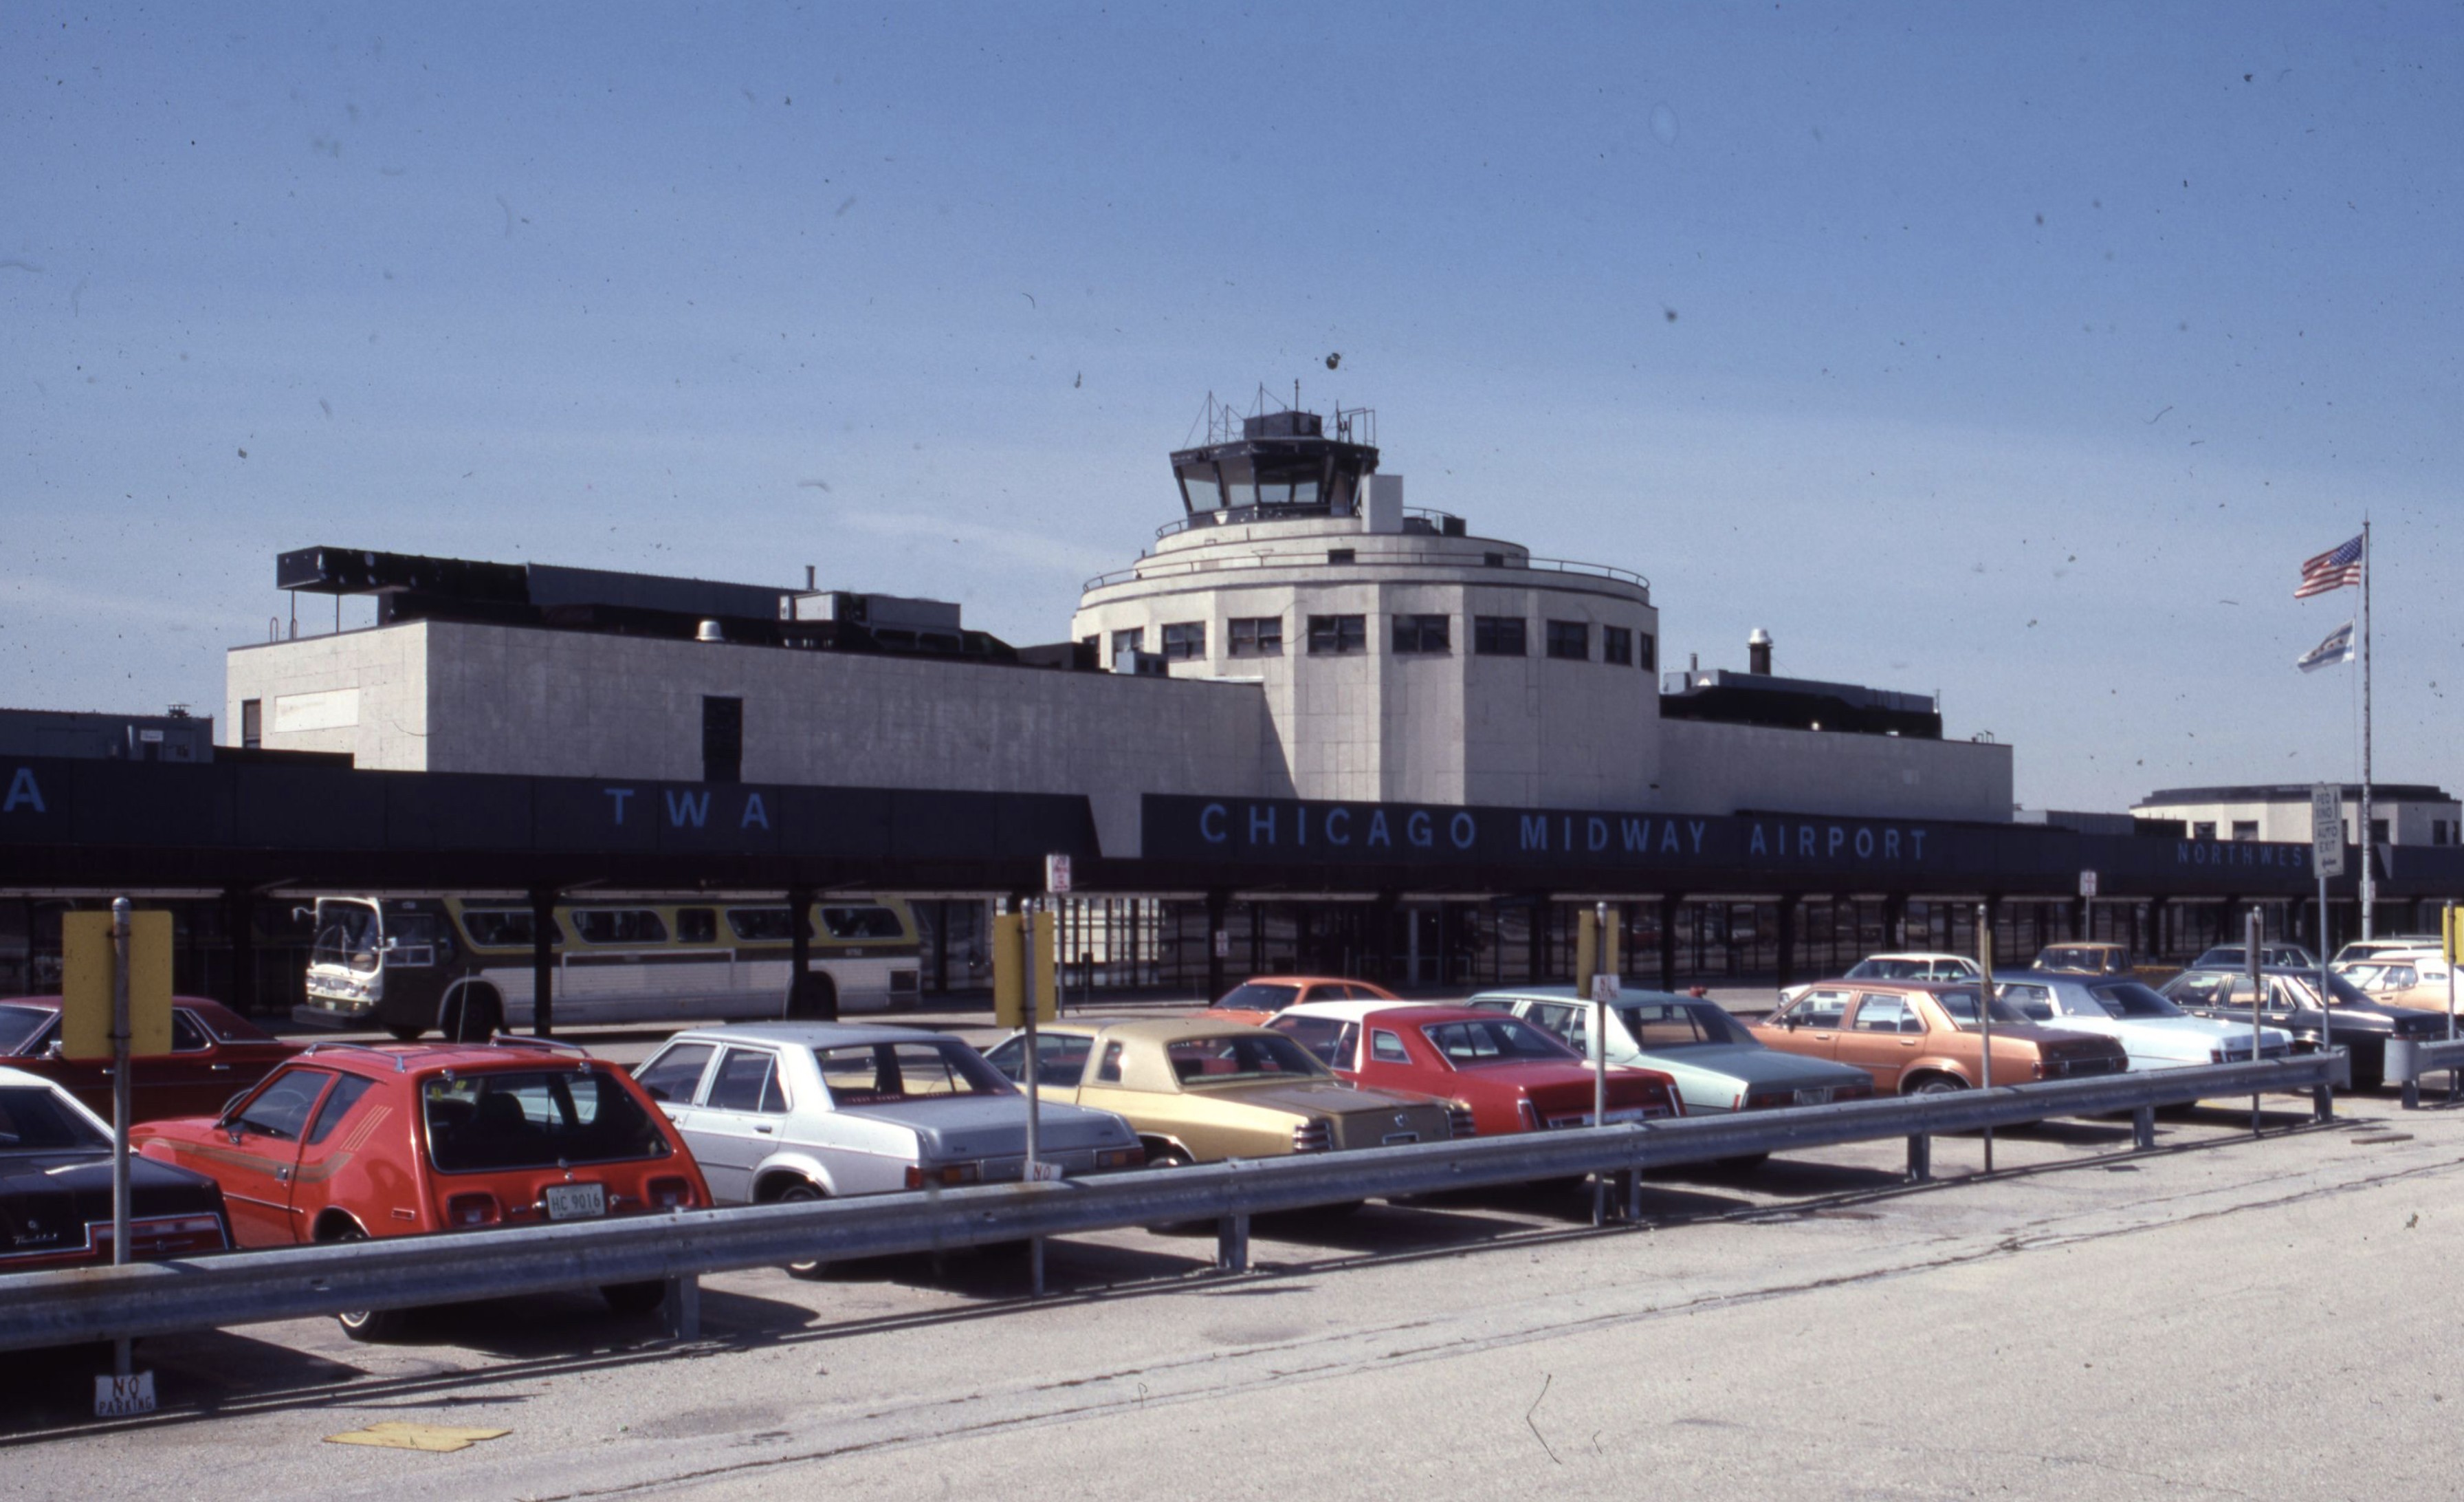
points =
(575, 1201)
(1820, 1096)
(1393, 1138)
(1628, 1114)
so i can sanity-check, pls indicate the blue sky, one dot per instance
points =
(2013, 355)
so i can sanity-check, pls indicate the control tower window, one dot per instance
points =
(1649, 652)
(1333, 635)
(1616, 645)
(1570, 639)
(1133, 639)
(1498, 636)
(1258, 636)
(1198, 488)
(1186, 642)
(1423, 633)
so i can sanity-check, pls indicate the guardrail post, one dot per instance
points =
(1920, 1159)
(683, 1308)
(2142, 1128)
(2405, 1070)
(1631, 1180)
(1232, 1242)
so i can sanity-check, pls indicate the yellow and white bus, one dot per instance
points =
(462, 966)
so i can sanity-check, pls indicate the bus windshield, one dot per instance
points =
(346, 935)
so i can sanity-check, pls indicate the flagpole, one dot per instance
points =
(2369, 885)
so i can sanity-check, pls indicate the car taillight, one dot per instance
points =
(1121, 1157)
(668, 1194)
(2036, 1071)
(1316, 1135)
(472, 1209)
(1853, 1093)
(941, 1175)
(1458, 1119)
(1530, 1115)
(1769, 1099)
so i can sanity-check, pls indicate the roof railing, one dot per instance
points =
(1153, 567)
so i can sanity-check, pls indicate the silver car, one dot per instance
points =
(1718, 1066)
(2156, 1033)
(799, 1111)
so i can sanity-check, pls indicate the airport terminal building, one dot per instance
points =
(1308, 727)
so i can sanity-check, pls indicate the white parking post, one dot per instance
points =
(2258, 993)
(1027, 942)
(1985, 1010)
(121, 1098)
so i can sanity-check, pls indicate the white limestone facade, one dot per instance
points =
(1392, 674)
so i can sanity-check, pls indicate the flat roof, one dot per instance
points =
(2292, 793)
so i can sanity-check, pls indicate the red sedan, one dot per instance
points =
(215, 1054)
(346, 1141)
(1512, 1075)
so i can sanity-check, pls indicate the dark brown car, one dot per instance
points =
(1917, 1039)
(215, 1054)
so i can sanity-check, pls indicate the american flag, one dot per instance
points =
(2332, 569)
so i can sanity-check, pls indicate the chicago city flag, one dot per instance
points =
(2337, 648)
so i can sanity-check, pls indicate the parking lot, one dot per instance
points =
(2220, 1316)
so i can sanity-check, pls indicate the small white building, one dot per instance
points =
(2401, 813)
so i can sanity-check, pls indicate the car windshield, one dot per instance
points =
(1494, 1040)
(1659, 1025)
(36, 1118)
(1258, 996)
(535, 1118)
(19, 1025)
(1960, 1006)
(861, 1075)
(1241, 1056)
(2130, 999)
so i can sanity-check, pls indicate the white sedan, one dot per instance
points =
(2156, 1033)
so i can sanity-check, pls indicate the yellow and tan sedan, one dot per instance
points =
(1198, 1091)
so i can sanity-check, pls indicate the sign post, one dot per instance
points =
(2087, 906)
(1985, 1010)
(2251, 928)
(2327, 858)
(115, 1004)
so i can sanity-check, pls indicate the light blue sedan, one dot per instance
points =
(1717, 1064)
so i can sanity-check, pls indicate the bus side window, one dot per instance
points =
(697, 925)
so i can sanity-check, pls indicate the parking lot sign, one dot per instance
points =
(87, 962)
(2327, 829)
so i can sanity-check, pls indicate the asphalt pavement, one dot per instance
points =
(2219, 1318)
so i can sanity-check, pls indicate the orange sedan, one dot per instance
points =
(1258, 998)
(1918, 1039)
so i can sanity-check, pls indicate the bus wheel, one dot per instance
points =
(406, 1034)
(820, 999)
(472, 1015)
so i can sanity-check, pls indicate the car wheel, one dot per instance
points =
(1936, 1084)
(820, 999)
(802, 1192)
(473, 1016)
(367, 1324)
(407, 1035)
(2367, 1080)
(634, 1299)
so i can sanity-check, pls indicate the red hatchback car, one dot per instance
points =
(1514, 1077)
(216, 1053)
(347, 1140)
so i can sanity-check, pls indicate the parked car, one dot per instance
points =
(1506, 1074)
(806, 1111)
(2419, 978)
(344, 1141)
(1717, 1064)
(2155, 1033)
(1261, 997)
(2364, 948)
(1922, 965)
(2226, 957)
(2352, 1019)
(1920, 1039)
(1201, 1088)
(216, 1053)
(2102, 959)
(55, 1187)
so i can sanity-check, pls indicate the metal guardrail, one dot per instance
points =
(58, 1307)
(2408, 1059)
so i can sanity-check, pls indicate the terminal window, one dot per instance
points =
(2245, 828)
(1616, 645)
(1337, 635)
(1258, 636)
(2203, 829)
(252, 723)
(1648, 650)
(1497, 635)
(1186, 642)
(1423, 633)
(722, 739)
(1572, 639)
(1133, 639)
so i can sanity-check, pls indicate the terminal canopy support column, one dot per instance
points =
(1787, 906)
(239, 920)
(1219, 907)
(543, 962)
(801, 1001)
(1669, 902)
